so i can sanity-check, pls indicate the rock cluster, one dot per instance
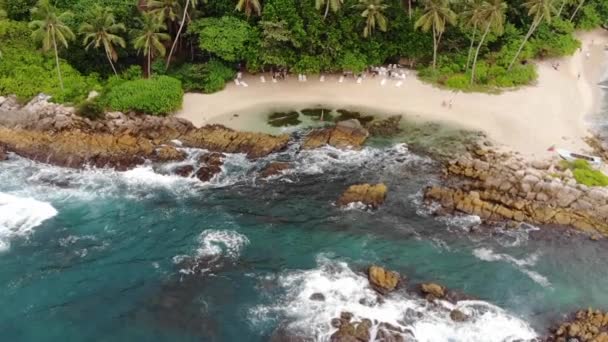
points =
(372, 195)
(586, 325)
(8, 104)
(359, 331)
(212, 165)
(52, 133)
(498, 186)
(346, 134)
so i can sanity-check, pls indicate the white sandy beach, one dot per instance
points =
(527, 120)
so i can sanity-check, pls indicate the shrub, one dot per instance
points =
(156, 96)
(353, 61)
(586, 175)
(227, 37)
(458, 81)
(91, 109)
(208, 77)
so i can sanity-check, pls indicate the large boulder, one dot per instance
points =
(371, 195)
(433, 289)
(382, 280)
(346, 134)
(385, 127)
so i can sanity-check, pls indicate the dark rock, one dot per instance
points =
(346, 134)
(212, 165)
(458, 316)
(3, 154)
(169, 153)
(346, 316)
(273, 169)
(384, 127)
(317, 296)
(184, 171)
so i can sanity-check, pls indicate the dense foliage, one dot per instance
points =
(461, 44)
(156, 96)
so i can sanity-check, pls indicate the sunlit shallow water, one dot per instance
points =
(105, 255)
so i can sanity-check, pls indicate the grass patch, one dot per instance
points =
(585, 174)
(344, 114)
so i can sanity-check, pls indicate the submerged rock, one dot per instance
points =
(368, 194)
(385, 127)
(317, 296)
(346, 134)
(458, 316)
(184, 171)
(382, 280)
(273, 169)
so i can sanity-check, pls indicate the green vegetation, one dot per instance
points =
(66, 48)
(586, 175)
(156, 96)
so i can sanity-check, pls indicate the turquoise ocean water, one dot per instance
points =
(99, 255)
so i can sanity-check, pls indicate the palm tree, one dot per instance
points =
(249, 6)
(334, 4)
(149, 39)
(102, 29)
(561, 7)
(48, 28)
(166, 10)
(437, 14)
(493, 14)
(189, 3)
(373, 12)
(2, 17)
(472, 16)
(540, 10)
(578, 7)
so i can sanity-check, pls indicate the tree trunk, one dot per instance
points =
(477, 52)
(561, 8)
(57, 59)
(150, 61)
(580, 4)
(111, 64)
(326, 9)
(409, 9)
(179, 32)
(528, 35)
(434, 48)
(471, 47)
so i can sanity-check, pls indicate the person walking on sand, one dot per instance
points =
(450, 103)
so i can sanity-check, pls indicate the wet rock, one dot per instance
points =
(368, 194)
(433, 289)
(3, 155)
(384, 127)
(346, 134)
(184, 171)
(458, 316)
(168, 153)
(336, 322)
(382, 280)
(346, 316)
(317, 296)
(284, 334)
(221, 139)
(211, 166)
(585, 325)
(273, 169)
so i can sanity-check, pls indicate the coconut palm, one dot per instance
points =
(190, 4)
(335, 5)
(540, 10)
(249, 6)
(471, 17)
(493, 17)
(437, 14)
(373, 14)
(578, 7)
(166, 10)
(102, 30)
(149, 39)
(562, 6)
(49, 28)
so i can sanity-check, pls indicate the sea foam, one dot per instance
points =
(19, 216)
(347, 291)
(487, 254)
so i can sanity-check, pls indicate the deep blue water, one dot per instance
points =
(138, 256)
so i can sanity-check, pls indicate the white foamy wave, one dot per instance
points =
(354, 206)
(19, 216)
(227, 243)
(346, 291)
(326, 158)
(487, 254)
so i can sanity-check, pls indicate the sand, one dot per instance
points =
(528, 120)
